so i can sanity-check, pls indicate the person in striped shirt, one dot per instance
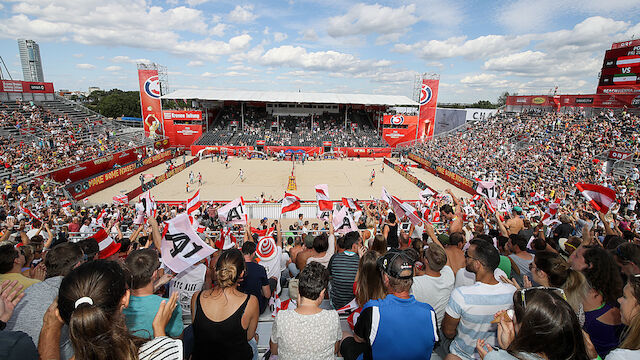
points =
(471, 309)
(343, 268)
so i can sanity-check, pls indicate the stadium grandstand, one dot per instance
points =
(530, 251)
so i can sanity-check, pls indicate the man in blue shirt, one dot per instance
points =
(143, 267)
(398, 326)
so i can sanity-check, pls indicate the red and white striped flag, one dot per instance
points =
(65, 203)
(490, 207)
(194, 203)
(148, 204)
(551, 212)
(28, 212)
(537, 198)
(226, 239)
(121, 199)
(322, 195)
(351, 204)
(600, 197)
(290, 202)
(101, 216)
(427, 194)
(404, 209)
(352, 305)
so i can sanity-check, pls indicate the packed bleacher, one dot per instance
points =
(228, 129)
(38, 138)
(100, 282)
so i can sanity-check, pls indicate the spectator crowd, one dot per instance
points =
(96, 281)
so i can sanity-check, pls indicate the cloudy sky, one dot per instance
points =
(479, 48)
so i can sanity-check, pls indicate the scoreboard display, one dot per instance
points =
(620, 72)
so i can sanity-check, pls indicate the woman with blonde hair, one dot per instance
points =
(630, 315)
(224, 319)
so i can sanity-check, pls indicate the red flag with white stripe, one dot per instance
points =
(65, 203)
(290, 202)
(352, 305)
(121, 199)
(551, 212)
(226, 240)
(106, 244)
(490, 207)
(322, 195)
(600, 197)
(351, 204)
(404, 209)
(148, 204)
(194, 203)
(101, 216)
(28, 212)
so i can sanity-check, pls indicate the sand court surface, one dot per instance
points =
(346, 178)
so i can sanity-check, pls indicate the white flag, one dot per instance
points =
(233, 213)
(343, 221)
(181, 245)
(427, 194)
(385, 195)
(322, 195)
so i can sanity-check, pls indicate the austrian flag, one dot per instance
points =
(600, 197)
(290, 202)
(194, 203)
(322, 195)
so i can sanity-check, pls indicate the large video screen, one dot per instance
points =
(620, 72)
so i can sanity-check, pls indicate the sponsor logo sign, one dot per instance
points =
(584, 100)
(538, 100)
(397, 120)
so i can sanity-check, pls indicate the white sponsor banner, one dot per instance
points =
(479, 114)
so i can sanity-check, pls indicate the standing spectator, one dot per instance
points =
(390, 231)
(369, 284)
(224, 318)
(435, 286)
(254, 282)
(12, 261)
(307, 332)
(29, 313)
(470, 310)
(343, 268)
(143, 266)
(398, 326)
(517, 245)
(630, 315)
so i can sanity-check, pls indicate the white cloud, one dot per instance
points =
(116, 23)
(85, 66)
(194, 63)
(113, 68)
(278, 36)
(196, 2)
(299, 57)
(77, 56)
(364, 19)
(479, 47)
(126, 59)
(309, 35)
(242, 14)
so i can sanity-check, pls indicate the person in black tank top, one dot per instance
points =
(226, 338)
(391, 231)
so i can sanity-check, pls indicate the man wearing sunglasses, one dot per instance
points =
(471, 308)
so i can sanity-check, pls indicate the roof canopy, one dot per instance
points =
(291, 97)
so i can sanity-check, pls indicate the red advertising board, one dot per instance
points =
(150, 101)
(82, 189)
(428, 104)
(623, 44)
(25, 86)
(181, 134)
(618, 155)
(611, 101)
(351, 152)
(90, 168)
(397, 129)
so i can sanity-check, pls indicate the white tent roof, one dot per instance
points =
(292, 97)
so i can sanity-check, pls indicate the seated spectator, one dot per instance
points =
(307, 332)
(343, 268)
(28, 314)
(544, 326)
(254, 282)
(368, 285)
(12, 261)
(143, 266)
(398, 326)
(324, 247)
(379, 244)
(224, 319)
(471, 308)
(630, 314)
(90, 302)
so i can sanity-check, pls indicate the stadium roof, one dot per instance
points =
(292, 97)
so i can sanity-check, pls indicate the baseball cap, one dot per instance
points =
(396, 264)
(517, 209)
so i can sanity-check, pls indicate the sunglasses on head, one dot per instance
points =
(524, 291)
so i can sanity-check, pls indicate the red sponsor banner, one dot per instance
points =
(351, 152)
(612, 100)
(397, 129)
(181, 134)
(428, 104)
(82, 189)
(260, 142)
(623, 44)
(459, 181)
(182, 115)
(326, 143)
(150, 101)
(90, 168)
(25, 86)
(618, 155)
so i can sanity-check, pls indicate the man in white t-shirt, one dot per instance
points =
(435, 286)
(471, 309)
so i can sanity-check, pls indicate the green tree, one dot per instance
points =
(483, 104)
(502, 99)
(115, 103)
